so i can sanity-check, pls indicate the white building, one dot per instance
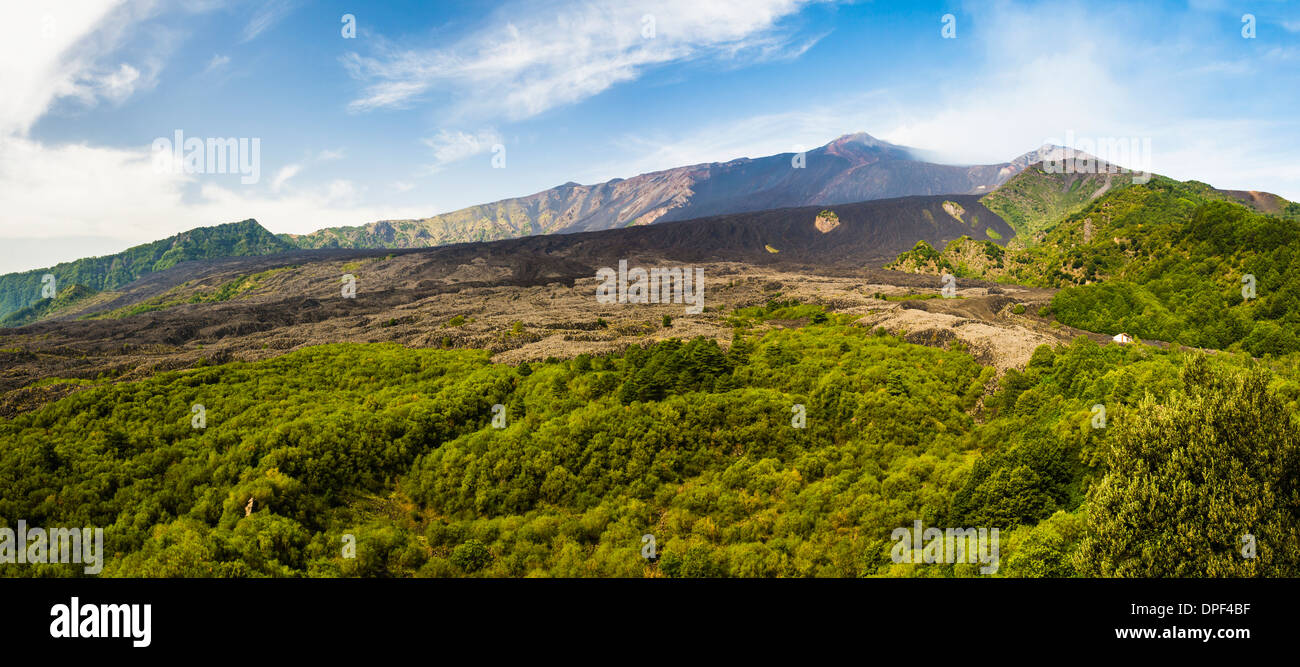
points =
(1123, 338)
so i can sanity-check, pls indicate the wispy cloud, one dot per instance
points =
(114, 85)
(532, 57)
(268, 14)
(288, 171)
(55, 51)
(218, 61)
(283, 175)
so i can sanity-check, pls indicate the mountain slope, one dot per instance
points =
(219, 296)
(67, 298)
(852, 168)
(1166, 260)
(20, 290)
(1034, 199)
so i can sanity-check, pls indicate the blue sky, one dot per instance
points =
(400, 121)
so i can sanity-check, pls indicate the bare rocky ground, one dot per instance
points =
(520, 306)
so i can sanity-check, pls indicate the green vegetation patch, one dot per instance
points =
(182, 294)
(403, 449)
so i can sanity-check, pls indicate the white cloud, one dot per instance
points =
(533, 57)
(82, 190)
(218, 61)
(78, 191)
(284, 174)
(451, 146)
(1291, 26)
(1098, 81)
(60, 51)
(73, 197)
(43, 53)
(268, 14)
(117, 85)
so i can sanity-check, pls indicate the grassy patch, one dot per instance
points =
(176, 296)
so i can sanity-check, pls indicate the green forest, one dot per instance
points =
(18, 291)
(1168, 260)
(395, 451)
(1174, 269)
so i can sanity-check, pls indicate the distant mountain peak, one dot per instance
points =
(1055, 153)
(863, 139)
(862, 147)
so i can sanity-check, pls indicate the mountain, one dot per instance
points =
(166, 306)
(21, 290)
(852, 168)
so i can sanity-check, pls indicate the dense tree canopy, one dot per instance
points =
(1204, 484)
(393, 454)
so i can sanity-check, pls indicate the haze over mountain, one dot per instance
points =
(854, 167)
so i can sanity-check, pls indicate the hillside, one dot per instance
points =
(1166, 260)
(962, 257)
(20, 290)
(68, 298)
(530, 297)
(863, 234)
(856, 167)
(1033, 200)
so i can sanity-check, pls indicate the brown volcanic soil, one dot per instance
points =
(556, 319)
(532, 298)
(1264, 202)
